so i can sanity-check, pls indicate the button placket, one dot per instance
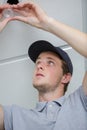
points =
(50, 110)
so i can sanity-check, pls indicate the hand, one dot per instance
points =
(30, 13)
(3, 21)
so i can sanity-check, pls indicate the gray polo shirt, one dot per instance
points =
(62, 114)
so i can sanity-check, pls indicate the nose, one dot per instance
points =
(40, 65)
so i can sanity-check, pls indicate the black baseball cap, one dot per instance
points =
(42, 46)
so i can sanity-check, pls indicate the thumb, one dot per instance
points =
(19, 18)
(4, 23)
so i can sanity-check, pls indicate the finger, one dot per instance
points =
(19, 18)
(3, 23)
(20, 12)
(23, 4)
(4, 6)
(6, 20)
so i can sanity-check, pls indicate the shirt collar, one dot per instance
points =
(60, 101)
(41, 105)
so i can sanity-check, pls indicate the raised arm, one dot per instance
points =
(1, 118)
(33, 15)
(3, 23)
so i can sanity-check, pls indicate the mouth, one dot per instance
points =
(39, 75)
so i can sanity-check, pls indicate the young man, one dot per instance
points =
(53, 70)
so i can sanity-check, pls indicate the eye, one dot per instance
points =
(37, 62)
(51, 63)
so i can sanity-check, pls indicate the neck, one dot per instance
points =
(50, 96)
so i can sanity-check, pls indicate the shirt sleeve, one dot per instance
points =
(83, 98)
(7, 117)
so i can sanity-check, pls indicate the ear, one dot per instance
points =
(66, 78)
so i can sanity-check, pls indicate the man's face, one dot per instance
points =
(48, 72)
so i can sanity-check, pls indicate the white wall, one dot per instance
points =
(15, 66)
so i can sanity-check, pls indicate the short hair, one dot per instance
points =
(65, 71)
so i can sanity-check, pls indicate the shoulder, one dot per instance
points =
(78, 98)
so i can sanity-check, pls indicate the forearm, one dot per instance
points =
(1, 28)
(35, 16)
(75, 38)
(1, 118)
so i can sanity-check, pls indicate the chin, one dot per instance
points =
(40, 87)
